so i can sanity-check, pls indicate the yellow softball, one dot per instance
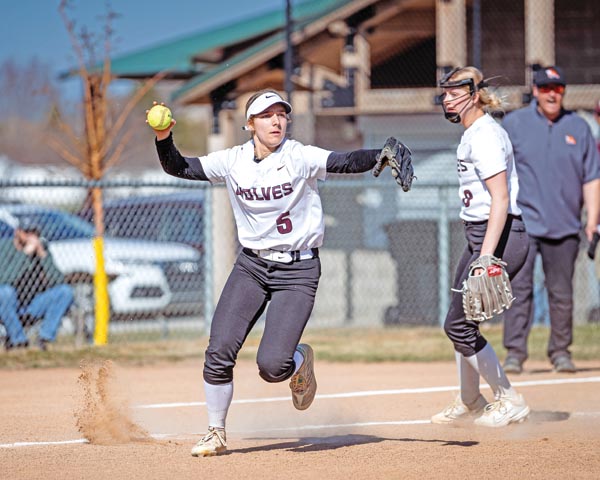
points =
(159, 117)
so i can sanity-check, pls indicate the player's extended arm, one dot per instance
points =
(174, 163)
(358, 161)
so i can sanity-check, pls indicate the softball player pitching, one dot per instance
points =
(493, 226)
(272, 186)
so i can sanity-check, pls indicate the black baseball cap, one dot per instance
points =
(549, 75)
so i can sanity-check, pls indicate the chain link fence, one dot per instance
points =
(154, 255)
(388, 256)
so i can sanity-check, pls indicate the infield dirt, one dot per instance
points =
(368, 421)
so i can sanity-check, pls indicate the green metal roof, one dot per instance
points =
(319, 9)
(231, 62)
(178, 55)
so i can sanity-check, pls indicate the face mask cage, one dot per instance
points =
(445, 82)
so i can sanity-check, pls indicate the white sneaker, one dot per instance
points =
(303, 383)
(213, 443)
(504, 411)
(457, 410)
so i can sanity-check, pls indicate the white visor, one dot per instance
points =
(264, 101)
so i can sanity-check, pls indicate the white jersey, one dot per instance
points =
(484, 151)
(276, 201)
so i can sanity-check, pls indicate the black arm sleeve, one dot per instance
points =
(176, 164)
(358, 161)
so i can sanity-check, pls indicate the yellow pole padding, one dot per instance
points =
(101, 295)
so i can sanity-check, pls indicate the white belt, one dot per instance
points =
(284, 257)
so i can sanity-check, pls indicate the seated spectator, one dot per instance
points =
(30, 286)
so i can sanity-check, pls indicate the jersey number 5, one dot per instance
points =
(284, 224)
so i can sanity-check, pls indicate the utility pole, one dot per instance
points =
(288, 58)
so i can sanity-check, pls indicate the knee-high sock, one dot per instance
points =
(487, 364)
(298, 360)
(218, 399)
(468, 379)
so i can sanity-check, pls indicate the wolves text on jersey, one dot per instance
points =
(265, 193)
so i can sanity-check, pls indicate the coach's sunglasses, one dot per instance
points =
(560, 89)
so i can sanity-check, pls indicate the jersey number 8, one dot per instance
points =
(467, 197)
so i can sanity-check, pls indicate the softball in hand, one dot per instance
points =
(159, 117)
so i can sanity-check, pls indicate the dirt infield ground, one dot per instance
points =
(368, 421)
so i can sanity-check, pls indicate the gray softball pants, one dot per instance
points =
(558, 261)
(512, 248)
(288, 289)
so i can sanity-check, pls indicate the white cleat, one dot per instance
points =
(457, 410)
(503, 412)
(213, 443)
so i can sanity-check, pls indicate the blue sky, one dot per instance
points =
(33, 28)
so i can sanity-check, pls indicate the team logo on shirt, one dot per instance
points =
(265, 193)
(570, 140)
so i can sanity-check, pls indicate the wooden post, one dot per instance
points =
(451, 35)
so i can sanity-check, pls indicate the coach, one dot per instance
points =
(559, 172)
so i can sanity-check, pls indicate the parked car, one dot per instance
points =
(137, 269)
(174, 217)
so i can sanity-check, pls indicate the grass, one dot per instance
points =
(400, 344)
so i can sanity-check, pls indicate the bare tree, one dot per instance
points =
(105, 136)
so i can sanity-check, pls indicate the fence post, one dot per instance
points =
(101, 291)
(443, 255)
(208, 262)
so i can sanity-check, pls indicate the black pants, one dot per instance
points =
(253, 283)
(558, 261)
(512, 248)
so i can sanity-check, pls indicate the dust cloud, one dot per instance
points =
(102, 418)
